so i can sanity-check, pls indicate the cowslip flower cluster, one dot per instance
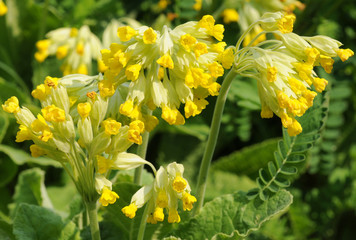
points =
(247, 12)
(75, 129)
(76, 47)
(168, 187)
(166, 69)
(284, 69)
(3, 8)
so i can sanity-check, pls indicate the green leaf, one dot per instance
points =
(6, 230)
(30, 189)
(35, 222)
(8, 169)
(20, 157)
(232, 215)
(128, 228)
(248, 160)
(4, 124)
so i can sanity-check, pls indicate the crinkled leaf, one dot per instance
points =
(232, 215)
(35, 222)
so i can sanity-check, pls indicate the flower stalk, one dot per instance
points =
(212, 139)
(93, 220)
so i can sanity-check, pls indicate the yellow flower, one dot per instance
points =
(53, 114)
(130, 211)
(188, 201)
(166, 61)
(23, 134)
(36, 151)
(344, 54)
(62, 52)
(111, 126)
(132, 72)
(285, 24)
(149, 36)
(230, 15)
(108, 197)
(125, 33)
(3, 8)
(197, 5)
(179, 184)
(173, 216)
(11, 105)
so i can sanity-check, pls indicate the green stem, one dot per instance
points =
(244, 35)
(141, 231)
(141, 151)
(93, 220)
(212, 139)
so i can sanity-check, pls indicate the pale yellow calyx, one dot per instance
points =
(80, 48)
(200, 49)
(11, 105)
(104, 164)
(272, 74)
(111, 126)
(187, 41)
(53, 114)
(162, 199)
(62, 52)
(36, 151)
(84, 109)
(285, 24)
(108, 197)
(125, 33)
(326, 62)
(149, 36)
(320, 84)
(312, 54)
(130, 210)
(216, 70)
(179, 184)
(173, 216)
(188, 201)
(172, 116)
(132, 71)
(344, 54)
(166, 61)
(230, 15)
(23, 134)
(158, 214)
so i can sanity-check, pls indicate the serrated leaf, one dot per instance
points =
(35, 222)
(232, 215)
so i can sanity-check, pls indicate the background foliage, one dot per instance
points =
(322, 180)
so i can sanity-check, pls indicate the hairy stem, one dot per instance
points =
(93, 220)
(213, 136)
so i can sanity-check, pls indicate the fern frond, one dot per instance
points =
(291, 153)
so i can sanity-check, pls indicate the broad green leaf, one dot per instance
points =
(6, 231)
(248, 160)
(232, 215)
(21, 157)
(30, 189)
(127, 228)
(35, 222)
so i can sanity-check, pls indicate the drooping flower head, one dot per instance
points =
(163, 195)
(286, 81)
(77, 49)
(166, 69)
